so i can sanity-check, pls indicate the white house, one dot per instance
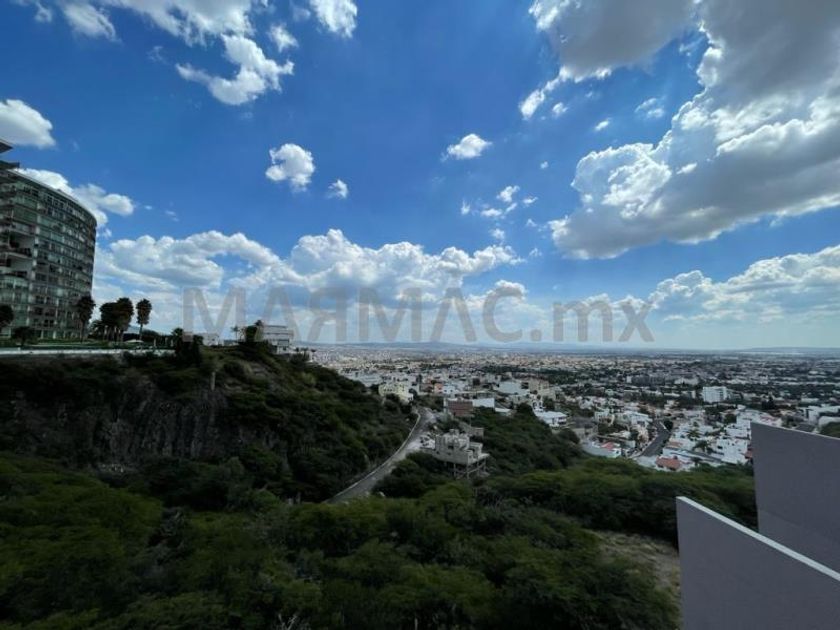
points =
(715, 394)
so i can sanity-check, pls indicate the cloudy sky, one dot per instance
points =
(683, 154)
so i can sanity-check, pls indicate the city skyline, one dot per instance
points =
(689, 164)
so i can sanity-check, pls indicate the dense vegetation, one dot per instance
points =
(832, 429)
(300, 428)
(614, 495)
(214, 544)
(76, 553)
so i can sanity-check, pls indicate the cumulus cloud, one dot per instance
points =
(168, 263)
(591, 38)
(93, 197)
(199, 22)
(291, 163)
(23, 125)
(507, 193)
(543, 166)
(498, 234)
(337, 16)
(338, 190)
(762, 138)
(257, 73)
(602, 125)
(315, 262)
(282, 38)
(469, 147)
(194, 20)
(792, 285)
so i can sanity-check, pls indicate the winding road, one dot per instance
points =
(655, 447)
(412, 443)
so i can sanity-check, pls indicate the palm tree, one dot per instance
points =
(84, 311)
(144, 309)
(108, 318)
(125, 313)
(7, 316)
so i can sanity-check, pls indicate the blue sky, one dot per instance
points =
(725, 172)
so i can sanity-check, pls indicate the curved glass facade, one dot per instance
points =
(47, 242)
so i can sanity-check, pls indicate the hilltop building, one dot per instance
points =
(277, 336)
(47, 242)
(464, 457)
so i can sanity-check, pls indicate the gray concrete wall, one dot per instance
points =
(797, 489)
(736, 579)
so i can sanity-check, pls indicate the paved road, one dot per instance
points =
(411, 444)
(655, 447)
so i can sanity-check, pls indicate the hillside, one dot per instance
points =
(210, 542)
(299, 428)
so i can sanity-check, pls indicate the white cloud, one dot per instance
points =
(558, 110)
(93, 197)
(469, 147)
(194, 20)
(22, 125)
(338, 189)
(498, 234)
(315, 262)
(492, 213)
(282, 38)
(291, 163)
(338, 16)
(529, 200)
(543, 166)
(799, 286)
(602, 125)
(507, 193)
(761, 139)
(168, 263)
(651, 109)
(88, 20)
(531, 103)
(465, 208)
(257, 73)
(200, 22)
(593, 37)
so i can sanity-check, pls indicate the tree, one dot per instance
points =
(24, 334)
(144, 309)
(125, 313)
(84, 311)
(7, 316)
(108, 319)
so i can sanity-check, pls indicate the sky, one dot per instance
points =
(677, 158)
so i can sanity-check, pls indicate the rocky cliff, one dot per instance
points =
(317, 429)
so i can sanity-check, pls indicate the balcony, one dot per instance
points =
(19, 252)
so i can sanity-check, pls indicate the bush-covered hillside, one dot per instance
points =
(212, 543)
(299, 428)
(76, 553)
(534, 466)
